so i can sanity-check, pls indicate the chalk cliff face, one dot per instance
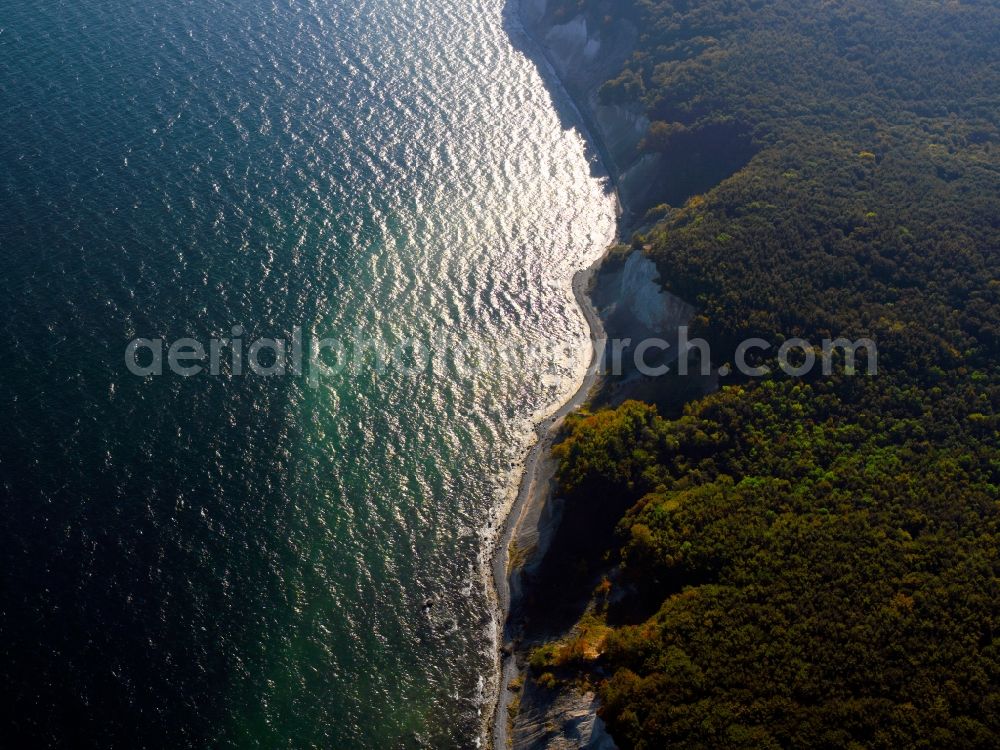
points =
(622, 127)
(571, 45)
(585, 53)
(640, 291)
(634, 306)
(563, 720)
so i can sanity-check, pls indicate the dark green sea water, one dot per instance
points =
(239, 561)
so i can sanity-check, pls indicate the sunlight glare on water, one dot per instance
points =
(246, 562)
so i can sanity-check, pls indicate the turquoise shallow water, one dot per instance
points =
(239, 561)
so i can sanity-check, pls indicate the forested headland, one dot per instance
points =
(803, 562)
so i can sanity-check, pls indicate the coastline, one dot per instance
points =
(535, 487)
(534, 496)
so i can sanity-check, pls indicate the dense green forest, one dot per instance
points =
(812, 562)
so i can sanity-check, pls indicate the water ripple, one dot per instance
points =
(239, 562)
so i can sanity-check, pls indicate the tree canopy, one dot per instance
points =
(816, 558)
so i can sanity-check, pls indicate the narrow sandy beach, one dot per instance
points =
(525, 526)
